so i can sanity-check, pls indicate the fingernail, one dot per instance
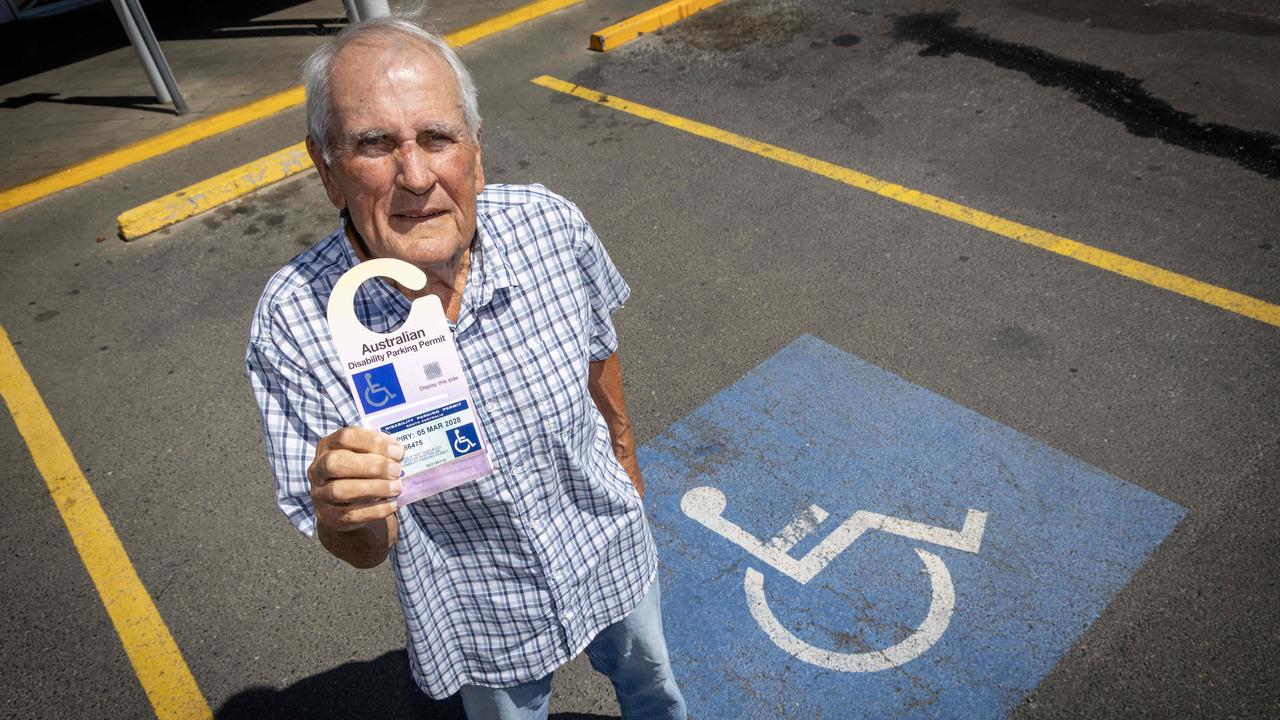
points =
(396, 486)
(393, 469)
(396, 451)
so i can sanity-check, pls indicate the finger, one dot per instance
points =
(350, 517)
(347, 464)
(355, 492)
(361, 440)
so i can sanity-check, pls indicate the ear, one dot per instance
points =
(479, 162)
(331, 187)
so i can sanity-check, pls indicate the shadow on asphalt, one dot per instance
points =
(133, 102)
(33, 46)
(378, 688)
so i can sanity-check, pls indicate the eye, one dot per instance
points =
(373, 143)
(436, 139)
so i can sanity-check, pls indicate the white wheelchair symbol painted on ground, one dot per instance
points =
(373, 388)
(461, 443)
(706, 505)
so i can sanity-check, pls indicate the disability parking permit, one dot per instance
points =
(409, 383)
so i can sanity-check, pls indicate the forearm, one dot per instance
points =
(366, 546)
(605, 385)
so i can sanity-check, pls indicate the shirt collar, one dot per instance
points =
(491, 271)
(487, 255)
(490, 268)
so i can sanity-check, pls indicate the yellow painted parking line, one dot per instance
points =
(153, 146)
(155, 656)
(207, 194)
(212, 192)
(506, 21)
(169, 140)
(633, 27)
(1229, 300)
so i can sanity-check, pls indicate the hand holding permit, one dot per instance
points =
(409, 384)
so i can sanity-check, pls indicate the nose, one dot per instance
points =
(415, 174)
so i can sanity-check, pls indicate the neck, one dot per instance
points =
(445, 280)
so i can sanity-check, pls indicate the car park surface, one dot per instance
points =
(1097, 123)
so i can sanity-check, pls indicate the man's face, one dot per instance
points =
(402, 160)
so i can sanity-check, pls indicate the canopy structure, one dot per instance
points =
(134, 21)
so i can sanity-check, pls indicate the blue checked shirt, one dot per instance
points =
(506, 578)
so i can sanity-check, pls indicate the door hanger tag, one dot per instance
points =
(409, 383)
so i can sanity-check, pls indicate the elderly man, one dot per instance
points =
(503, 579)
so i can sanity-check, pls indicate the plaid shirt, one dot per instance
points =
(506, 578)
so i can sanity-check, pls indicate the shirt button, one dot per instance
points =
(567, 614)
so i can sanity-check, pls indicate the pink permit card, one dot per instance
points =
(409, 384)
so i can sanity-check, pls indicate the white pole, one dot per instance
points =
(372, 8)
(144, 57)
(157, 55)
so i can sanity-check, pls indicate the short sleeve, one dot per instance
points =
(606, 290)
(296, 414)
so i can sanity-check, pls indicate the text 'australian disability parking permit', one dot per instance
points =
(409, 383)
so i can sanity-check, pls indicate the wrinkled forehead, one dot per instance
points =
(391, 66)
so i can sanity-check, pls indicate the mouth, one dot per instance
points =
(418, 215)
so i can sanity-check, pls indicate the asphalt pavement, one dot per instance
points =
(1103, 122)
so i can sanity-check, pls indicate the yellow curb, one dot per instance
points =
(155, 657)
(1219, 297)
(210, 193)
(647, 21)
(131, 154)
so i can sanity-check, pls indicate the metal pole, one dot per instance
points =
(372, 8)
(144, 57)
(149, 38)
(353, 13)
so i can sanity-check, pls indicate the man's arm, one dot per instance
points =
(604, 381)
(354, 481)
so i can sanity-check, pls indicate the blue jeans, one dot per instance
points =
(632, 653)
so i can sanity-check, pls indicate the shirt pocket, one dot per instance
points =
(553, 362)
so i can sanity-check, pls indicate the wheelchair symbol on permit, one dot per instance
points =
(463, 440)
(706, 505)
(461, 443)
(378, 388)
(373, 389)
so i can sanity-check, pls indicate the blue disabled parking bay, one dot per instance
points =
(837, 542)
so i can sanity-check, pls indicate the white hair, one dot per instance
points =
(318, 69)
